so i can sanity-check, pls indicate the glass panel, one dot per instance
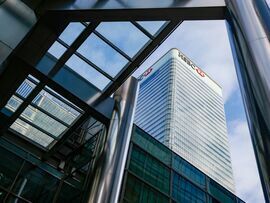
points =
(136, 191)
(56, 107)
(31, 133)
(152, 146)
(69, 194)
(152, 26)
(71, 32)
(101, 54)
(25, 88)
(184, 191)
(186, 169)
(219, 193)
(43, 121)
(36, 185)
(8, 172)
(57, 50)
(151, 170)
(124, 35)
(13, 103)
(87, 72)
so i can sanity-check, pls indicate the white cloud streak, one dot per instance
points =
(246, 176)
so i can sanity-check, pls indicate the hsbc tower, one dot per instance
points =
(182, 107)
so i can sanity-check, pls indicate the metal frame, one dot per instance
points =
(26, 58)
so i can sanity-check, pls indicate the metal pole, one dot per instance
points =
(111, 158)
(249, 34)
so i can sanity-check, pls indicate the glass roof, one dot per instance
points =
(124, 35)
(86, 59)
(47, 116)
(101, 57)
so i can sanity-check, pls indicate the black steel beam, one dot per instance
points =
(143, 14)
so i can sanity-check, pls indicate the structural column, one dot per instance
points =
(112, 154)
(249, 31)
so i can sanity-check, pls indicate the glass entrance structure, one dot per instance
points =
(67, 58)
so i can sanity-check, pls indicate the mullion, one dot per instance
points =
(72, 49)
(141, 28)
(112, 45)
(38, 128)
(88, 61)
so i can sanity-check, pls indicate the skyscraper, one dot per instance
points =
(182, 107)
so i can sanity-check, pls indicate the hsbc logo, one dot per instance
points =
(198, 70)
(146, 73)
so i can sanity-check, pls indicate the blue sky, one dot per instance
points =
(206, 44)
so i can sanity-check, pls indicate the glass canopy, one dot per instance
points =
(96, 62)
(47, 116)
(87, 59)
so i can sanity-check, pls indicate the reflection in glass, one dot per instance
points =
(87, 72)
(102, 55)
(13, 103)
(152, 26)
(43, 121)
(31, 133)
(57, 50)
(71, 32)
(124, 35)
(25, 88)
(56, 107)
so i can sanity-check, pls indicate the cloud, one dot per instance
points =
(246, 176)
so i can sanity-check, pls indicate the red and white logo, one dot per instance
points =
(200, 72)
(147, 72)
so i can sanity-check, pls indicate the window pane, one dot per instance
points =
(56, 107)
(152, 146)
(8, 171)
(13, 103)
(152, 26)
(43, 121)
(101, 54)
(151, 170)
(57, 50)
(219, 193)
(136, 191)
(71, 32)
(186, 169)
(36, 185)
(87, 72)
(31, 133)
(25, 88)
(184, 191)
(124, 35)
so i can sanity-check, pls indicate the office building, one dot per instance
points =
(76, 56)
(182, 107)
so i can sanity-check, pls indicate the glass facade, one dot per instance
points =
(150, 178)
(182, 107)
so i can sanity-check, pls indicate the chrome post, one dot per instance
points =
(249, 33)
(111, 156)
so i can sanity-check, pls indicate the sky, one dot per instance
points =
(206, 44)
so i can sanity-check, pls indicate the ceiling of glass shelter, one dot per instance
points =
(101, 57)
(45, 119)
(86, 59)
